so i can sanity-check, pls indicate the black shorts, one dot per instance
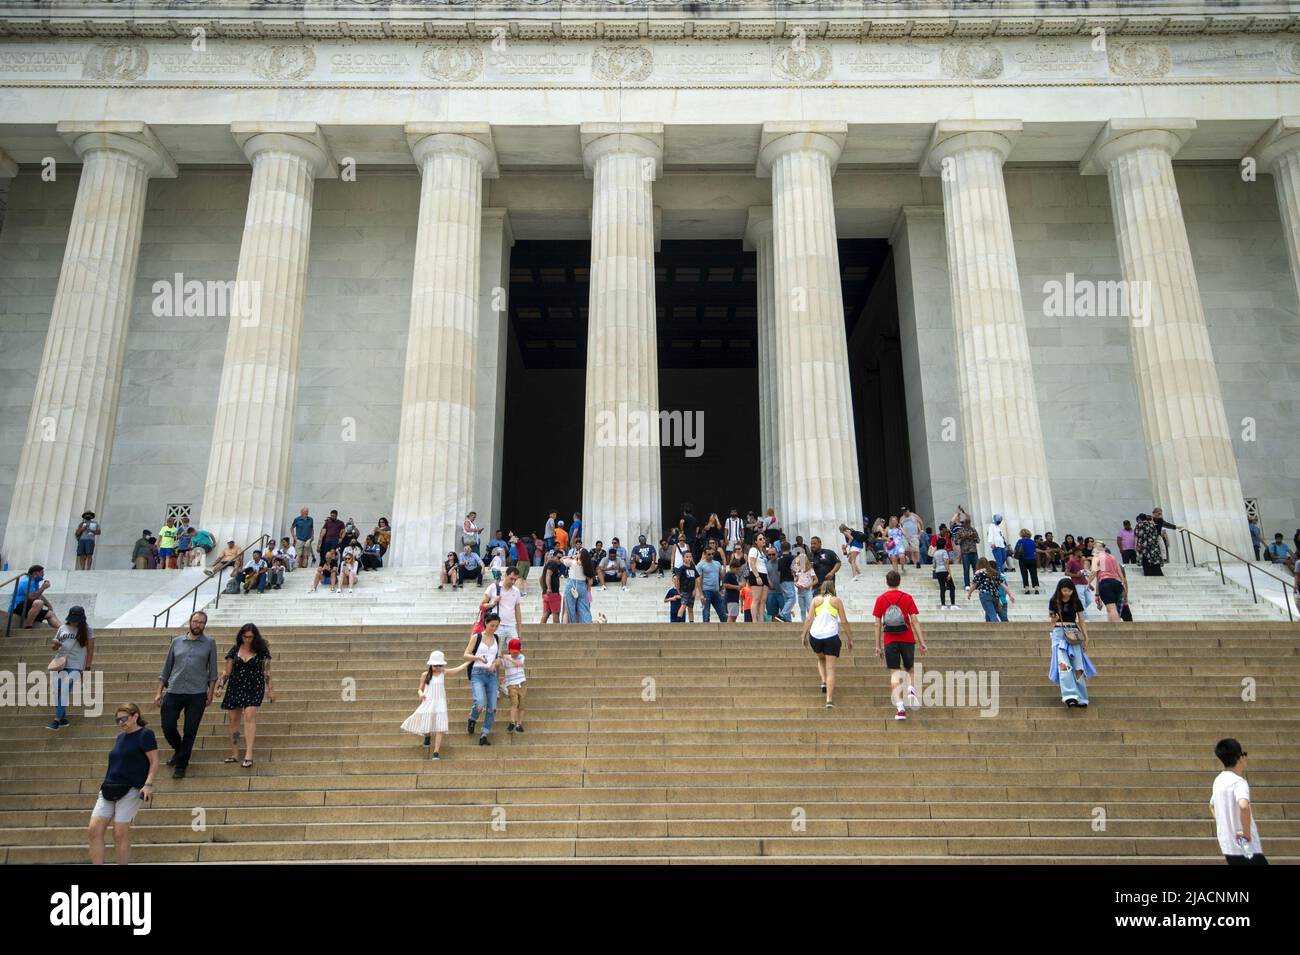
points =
(643, 564)
(613, 574)
(899, 656)
(830, 646)
(26, 608)
(759, 580)
(1111, 591)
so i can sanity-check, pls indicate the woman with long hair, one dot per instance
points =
(245, 682)
(1069, 668)
(821, 631)
(74, 644)
(484, 653)
(577, 588)
(128, 783)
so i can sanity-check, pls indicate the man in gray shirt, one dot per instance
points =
(711, 586)
(188, 677)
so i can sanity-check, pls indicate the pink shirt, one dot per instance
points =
(1127, 540)
(1105, 566)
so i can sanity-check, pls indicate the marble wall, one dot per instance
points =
(358, 303)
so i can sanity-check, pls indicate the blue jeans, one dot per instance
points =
(805, 598)
(968, 562)
(774, 602)
(788, 598)
(1000, 557)
(63, 690)
(1073, 685)
(577, 601)
(483, 684)
(713, 600)
(993, 611)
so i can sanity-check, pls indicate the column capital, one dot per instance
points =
(1119, 136)
(1282, 139)
(136, 139)
(757, 227)
(601, 139)
(304, 140)
(781, 138)
(467, 139)
(951, 136)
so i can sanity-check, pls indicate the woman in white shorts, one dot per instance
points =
(127, 785)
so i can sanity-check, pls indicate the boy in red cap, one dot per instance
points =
(516, 684)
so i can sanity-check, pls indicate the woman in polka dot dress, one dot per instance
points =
(246, 681)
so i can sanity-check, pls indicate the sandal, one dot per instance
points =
(246, 763)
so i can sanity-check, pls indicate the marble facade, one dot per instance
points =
(368, 173)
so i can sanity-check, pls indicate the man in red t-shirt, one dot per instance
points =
(898, 631)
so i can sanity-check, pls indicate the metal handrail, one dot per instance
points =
(167, 611)
(1186, 536)
(9, 616)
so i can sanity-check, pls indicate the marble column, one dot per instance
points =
(494, 336)
(1189, 449)
(1278, 154)
(817, 468)
(63, 467)
(436, 440)
(1001, 434)
(246, 488)
(758, 239)
(621, 482)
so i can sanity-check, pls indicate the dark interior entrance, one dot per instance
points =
(706, 297)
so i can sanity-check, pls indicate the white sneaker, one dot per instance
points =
(901, 714)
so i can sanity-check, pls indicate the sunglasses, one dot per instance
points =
(123, 719)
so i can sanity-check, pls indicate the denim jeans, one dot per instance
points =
(1000, 557)
(713, 600)
(805, 598)
(993, 612)
(1073, 685)
(968, 562)
(483, 684)
(63, 691)
(788, 598)
(577, 601)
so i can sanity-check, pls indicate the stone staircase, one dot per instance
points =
(656, 743)
(394, 597)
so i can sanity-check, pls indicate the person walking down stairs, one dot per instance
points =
(483, 651)
(430, 717)
(1070, 667)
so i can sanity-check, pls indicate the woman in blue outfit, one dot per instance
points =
(1070, 667)
(577, 588)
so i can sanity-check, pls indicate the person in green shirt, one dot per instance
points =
(167, 544)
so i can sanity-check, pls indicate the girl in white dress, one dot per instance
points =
(430, 718)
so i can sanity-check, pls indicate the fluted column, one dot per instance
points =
(817, 468)
(1189, 450)
(63, 467)
(1278, 153)
(758, 239)
(1002, 436)
(435, 445)
(247, 480)
(620, 478)
(8, 170)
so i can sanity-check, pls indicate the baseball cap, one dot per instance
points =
(514, 646)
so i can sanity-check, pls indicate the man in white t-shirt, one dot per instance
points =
(506, 599)
(1234, 821)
